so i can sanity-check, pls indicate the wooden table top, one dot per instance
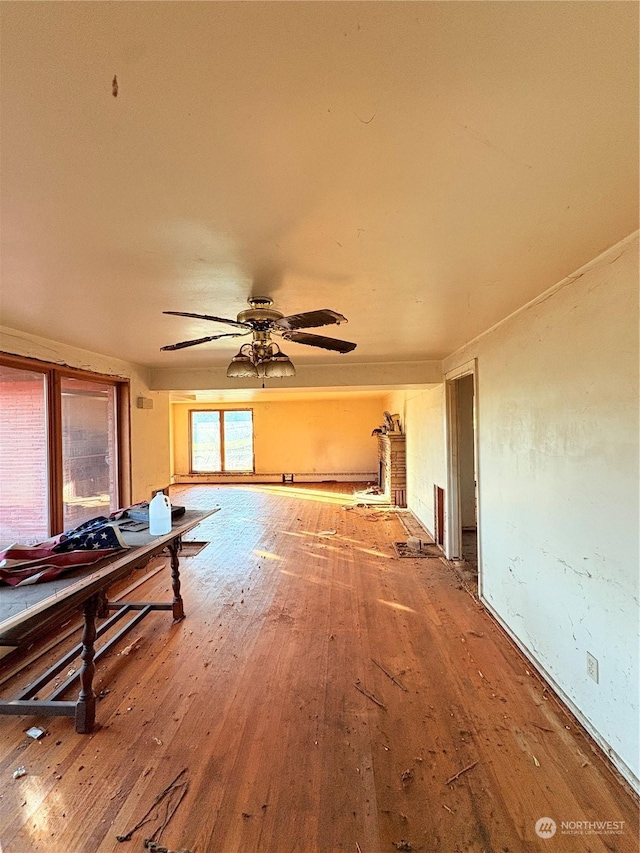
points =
(20, 606)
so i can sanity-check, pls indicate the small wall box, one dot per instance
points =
(145, 403)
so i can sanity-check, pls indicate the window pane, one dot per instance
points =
(238, 441)
(89, 450)
(205, 442)
(24, 488)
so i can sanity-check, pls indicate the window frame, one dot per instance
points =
(53, 421)
(221, 413)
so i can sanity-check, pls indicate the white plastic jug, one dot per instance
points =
(159, 515)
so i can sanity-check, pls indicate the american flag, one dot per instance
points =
(92, 541)
(93, 535)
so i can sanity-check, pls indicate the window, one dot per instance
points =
(221, 441)
(89, 450)
(24, 470)
(61, 439)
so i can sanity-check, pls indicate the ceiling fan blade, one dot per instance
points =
(319, 341)
(311, 319)
(208, 317)
(194, 343)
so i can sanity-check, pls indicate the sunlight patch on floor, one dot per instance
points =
(396, 606)
(338, 498)
(33, 793)
(318, 580)
(374, 553)
(266, 554)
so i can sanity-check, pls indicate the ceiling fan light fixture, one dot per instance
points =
(279, 366)
(241, 367)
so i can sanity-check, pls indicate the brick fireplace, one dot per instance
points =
(392, 461)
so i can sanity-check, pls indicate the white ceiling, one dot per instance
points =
(424, 168)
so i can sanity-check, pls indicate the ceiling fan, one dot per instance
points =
(263, 356)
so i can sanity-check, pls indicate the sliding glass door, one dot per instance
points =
(62, 433)
(89, 450)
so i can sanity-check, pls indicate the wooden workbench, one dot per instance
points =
(28, 611)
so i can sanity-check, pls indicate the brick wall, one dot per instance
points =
(392, 456)
(23, 458)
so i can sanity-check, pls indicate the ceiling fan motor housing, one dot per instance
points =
(260, 316)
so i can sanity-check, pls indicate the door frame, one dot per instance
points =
(453, 524)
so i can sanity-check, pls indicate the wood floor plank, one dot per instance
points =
(260, 694)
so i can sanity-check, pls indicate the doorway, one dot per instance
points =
(462, 534)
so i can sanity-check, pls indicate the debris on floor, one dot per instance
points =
(176, 787)
(403, 845)
(389, 675)
(132, 647)
(428, 549)
(460, 772)
(20, 771)
(36, 733)
(364, 692)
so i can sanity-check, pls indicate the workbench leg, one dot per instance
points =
(86, 704)
(177, 604)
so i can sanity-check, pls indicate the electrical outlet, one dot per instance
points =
(592, 667)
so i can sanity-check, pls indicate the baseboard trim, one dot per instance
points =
(256, 479)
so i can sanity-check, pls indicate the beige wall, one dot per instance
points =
(557, 435)
(149, 427)
(309, 438)
(422, 417)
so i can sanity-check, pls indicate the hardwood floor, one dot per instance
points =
(260, 695)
